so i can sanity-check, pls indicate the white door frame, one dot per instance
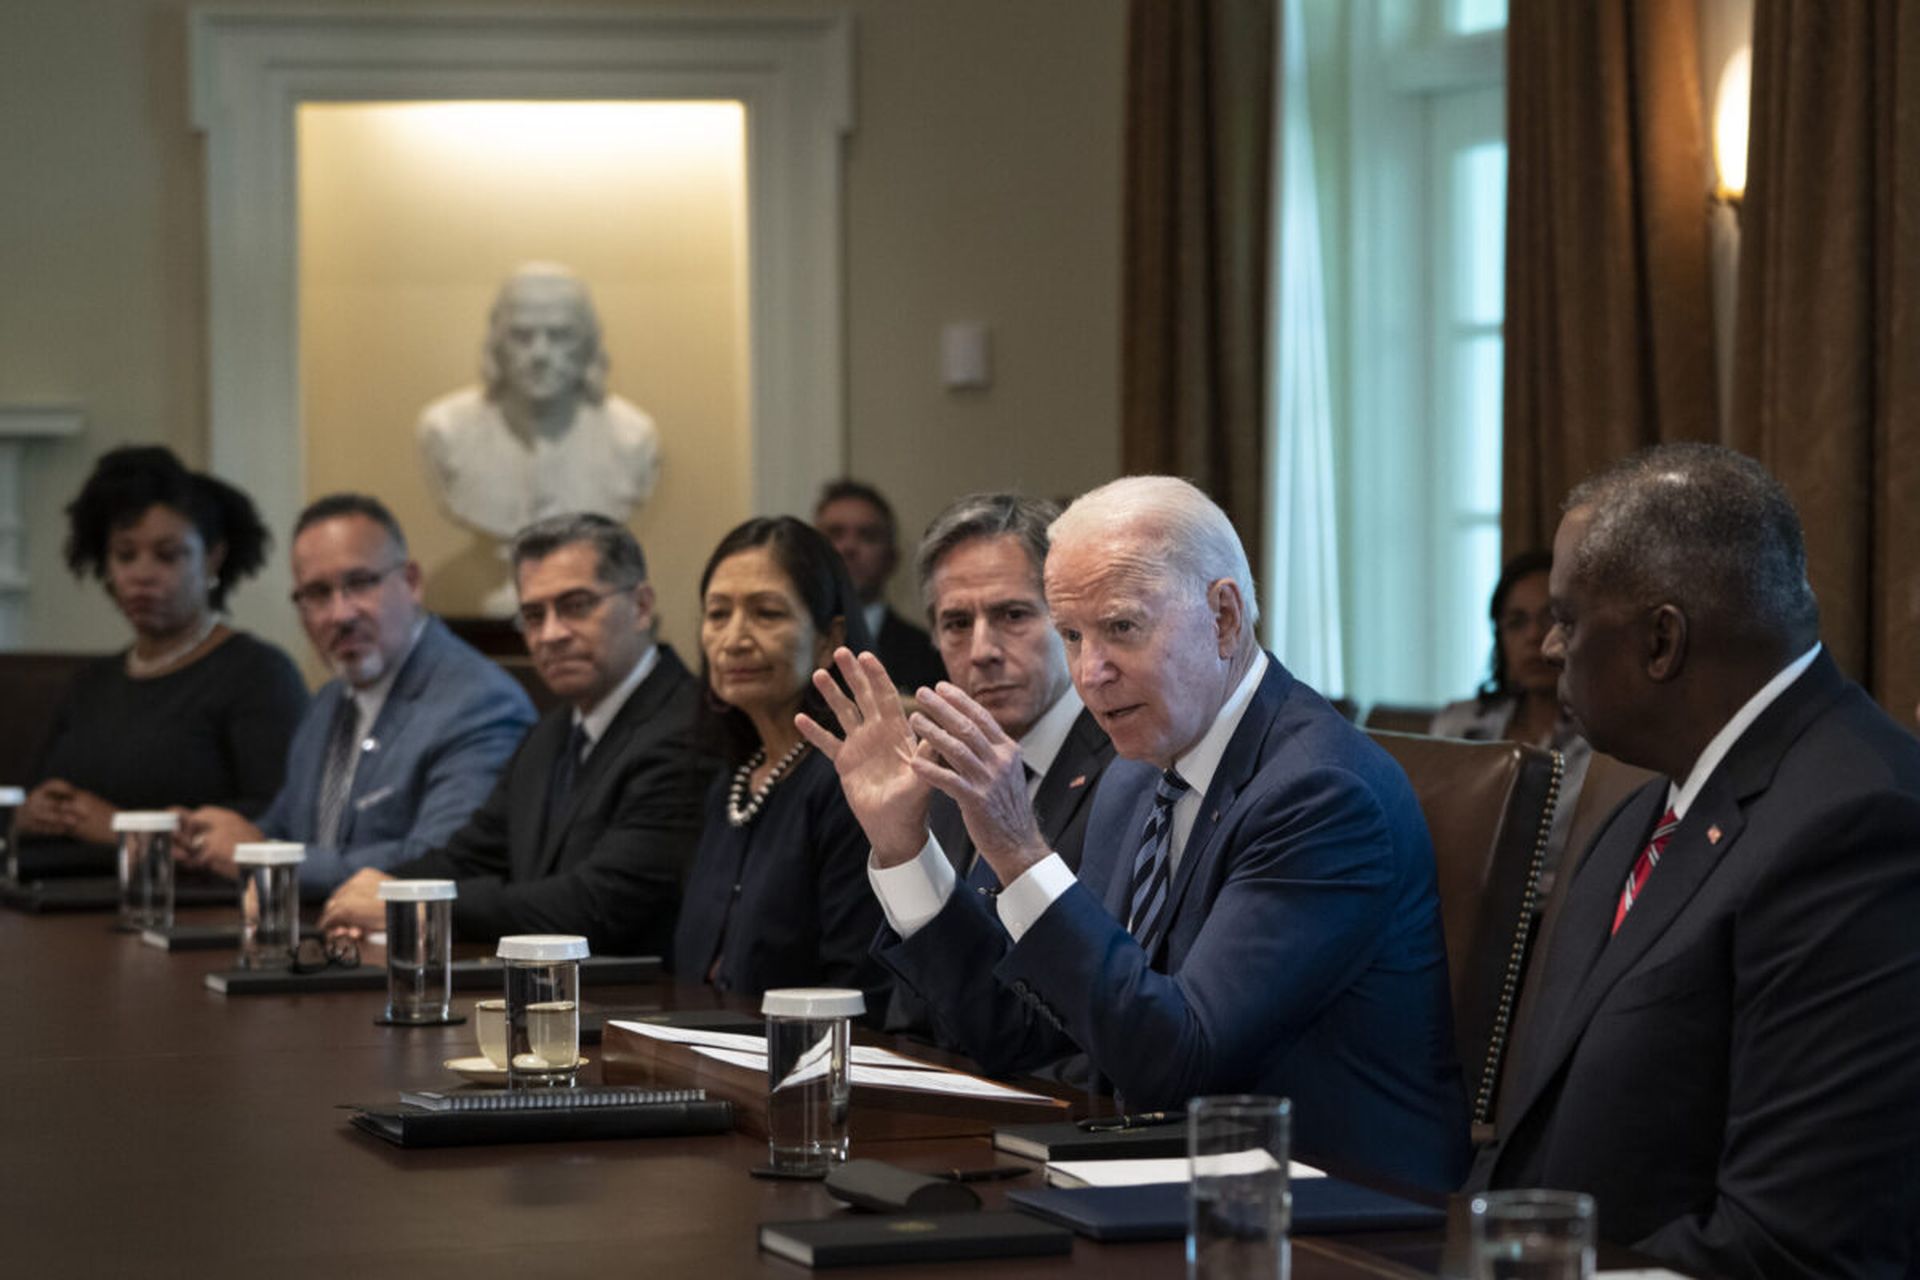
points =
(251, 69)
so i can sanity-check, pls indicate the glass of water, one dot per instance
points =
(1531, 1235)
(1239, 1205)
(146, 868)
(419, 950)
(11, 798)
(808, 1088)
(543, 1009)
(269, 901)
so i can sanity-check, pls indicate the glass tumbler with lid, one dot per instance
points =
(146, 867)
(419, 949)
(543, 1009)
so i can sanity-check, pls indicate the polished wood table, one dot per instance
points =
(151, 1127)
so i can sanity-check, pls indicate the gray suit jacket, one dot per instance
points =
(450, 721)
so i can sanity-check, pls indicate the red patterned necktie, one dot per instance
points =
(1643, 866)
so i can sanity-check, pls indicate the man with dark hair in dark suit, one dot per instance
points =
(858, 521)
(980, 567)
(591, 826)
(1723, 1048)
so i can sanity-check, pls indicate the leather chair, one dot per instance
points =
(1608, 783)
(1489, 807)
(32, 686)
(1399, 719)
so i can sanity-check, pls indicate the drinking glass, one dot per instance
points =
(269, 902)
(1238, 1202)
(146, 868)
(1531, 1235)
(808, 1089)
(419, 949)
(543, 1009)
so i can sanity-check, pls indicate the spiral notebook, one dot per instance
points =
(560, 1115)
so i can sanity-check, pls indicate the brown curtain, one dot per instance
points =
(1194, 330)
(1827, 352)
(1609, 331)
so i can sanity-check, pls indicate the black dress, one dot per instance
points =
(784, 900)
(213, 732)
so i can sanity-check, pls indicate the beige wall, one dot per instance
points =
(983, 184)
(412, 214)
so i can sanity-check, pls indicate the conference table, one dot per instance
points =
(152, 1127)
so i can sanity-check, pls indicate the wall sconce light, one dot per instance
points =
(1731, 101)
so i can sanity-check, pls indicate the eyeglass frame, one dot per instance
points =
(582, 606)
(337, 951)
(355, 585)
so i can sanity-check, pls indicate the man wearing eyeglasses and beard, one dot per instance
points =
(395, 753)
(591, 826)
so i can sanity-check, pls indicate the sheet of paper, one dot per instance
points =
(927, 1080)
(1646, 1273)
(1140, 1172)
(870, 1055)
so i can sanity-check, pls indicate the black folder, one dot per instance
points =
(408, 1126)
(483, 974)
(1065, 1140)
(102, 893)
(912, 1237)
(1321, 1206)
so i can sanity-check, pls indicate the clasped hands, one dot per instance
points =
(890, 763)
(58, 808)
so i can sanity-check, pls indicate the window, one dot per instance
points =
(1409, 180)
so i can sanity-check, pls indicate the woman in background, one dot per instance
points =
(778, 895)
(1520, 702)
(192, 712)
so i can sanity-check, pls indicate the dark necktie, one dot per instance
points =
(1147, 903)
(565, 769)
(1643, 866)
(336, 776)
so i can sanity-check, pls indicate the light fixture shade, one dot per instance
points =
(1730, 107)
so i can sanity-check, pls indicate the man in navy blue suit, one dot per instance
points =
(394, 753)
(1256, 907)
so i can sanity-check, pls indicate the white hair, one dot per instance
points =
(1190, 532)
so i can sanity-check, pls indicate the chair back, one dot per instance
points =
(32, 686)
(1399, 718)
(1489, 807)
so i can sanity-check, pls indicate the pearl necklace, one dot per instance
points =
(139, 666)
(739, 815)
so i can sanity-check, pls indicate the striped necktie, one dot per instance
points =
(1643, 866)
(336, 776)
(1147, 904)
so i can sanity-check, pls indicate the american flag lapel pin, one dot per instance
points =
(1713, 835)
(1079, 781)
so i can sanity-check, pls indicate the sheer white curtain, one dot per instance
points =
(1302, 572)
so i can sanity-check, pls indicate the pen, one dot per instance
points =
(1138, 1120)
(998, 1173)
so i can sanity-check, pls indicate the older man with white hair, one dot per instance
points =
(1255, 910)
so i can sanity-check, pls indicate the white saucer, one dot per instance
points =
(482, 1070)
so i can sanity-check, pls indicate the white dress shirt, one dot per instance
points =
(1680, 797)
(595, 722)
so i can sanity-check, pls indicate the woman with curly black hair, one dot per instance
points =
(193, 712)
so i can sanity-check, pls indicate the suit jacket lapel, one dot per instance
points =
(1120, 860)
(407, 685)
(1069, 782)
(1237, 766)
(641, 706)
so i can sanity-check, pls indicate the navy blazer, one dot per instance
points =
(1732, 1074)
(783, 901)
(607, 865)
(451, 719)
(1061, 805)
(1303, 955)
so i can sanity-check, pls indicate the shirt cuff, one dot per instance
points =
(1032, 892)
(912, 893)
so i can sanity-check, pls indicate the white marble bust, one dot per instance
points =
(540, 435)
